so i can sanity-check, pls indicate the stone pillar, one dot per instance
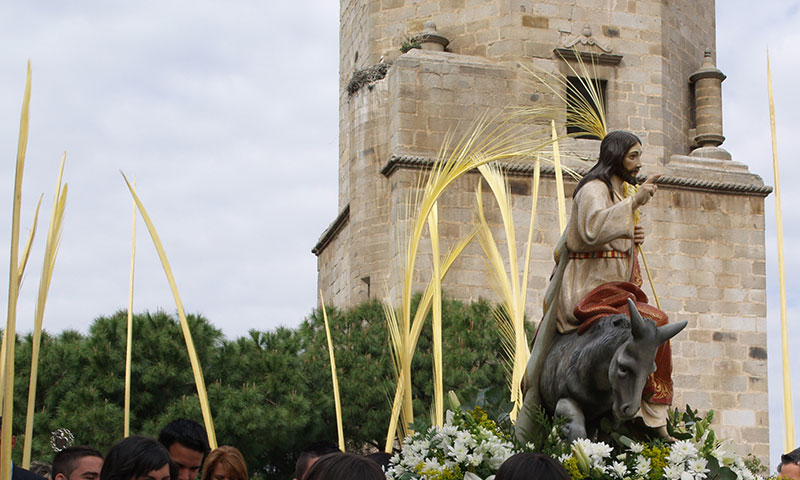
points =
(707, 83)
(431, 40)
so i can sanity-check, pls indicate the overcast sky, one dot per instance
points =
(227, 115)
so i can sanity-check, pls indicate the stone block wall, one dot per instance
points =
(705, 251)
(705, 245)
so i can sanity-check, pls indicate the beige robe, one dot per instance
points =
(596, 223)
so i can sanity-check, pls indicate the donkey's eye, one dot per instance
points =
(623, 371)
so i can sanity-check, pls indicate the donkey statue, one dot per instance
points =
(584, 377)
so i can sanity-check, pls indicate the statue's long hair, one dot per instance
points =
(612, 151)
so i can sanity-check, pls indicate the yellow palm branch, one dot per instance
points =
(511, 288)
(402, 350)
(490, 138)
(436, 320)
(187, 334)
(586, 111)
(334, 376)
(50, 253)
(126, 415)
(20, 276)
(13, 285)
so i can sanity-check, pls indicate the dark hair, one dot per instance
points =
(136, 457)
(791, 457)
(344, 466)
(381, 458)
(65, 461)
(42, 469)
(526, 465)
(315, 450)
(612, 151)
(229, 457)
(187, 432)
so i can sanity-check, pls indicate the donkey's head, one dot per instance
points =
(634, 361)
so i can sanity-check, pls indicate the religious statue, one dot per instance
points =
(597, 320)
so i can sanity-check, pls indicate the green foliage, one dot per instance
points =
(410, 43)
(270, 392)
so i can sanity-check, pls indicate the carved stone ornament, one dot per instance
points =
(585, 39)
(569, 49)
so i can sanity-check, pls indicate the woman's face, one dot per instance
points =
(221, 473)
(160, 474)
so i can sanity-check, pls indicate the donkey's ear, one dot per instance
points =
(670, 330)
(638, 324)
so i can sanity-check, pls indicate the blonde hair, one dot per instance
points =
(230, 458)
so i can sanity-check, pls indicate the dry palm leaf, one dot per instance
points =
(187, 334)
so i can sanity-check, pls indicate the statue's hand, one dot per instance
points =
(638, 235)
(646, 190)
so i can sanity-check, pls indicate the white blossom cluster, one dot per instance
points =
(684, 461)
(450, 446)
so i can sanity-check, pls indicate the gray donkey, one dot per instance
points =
(604, 370)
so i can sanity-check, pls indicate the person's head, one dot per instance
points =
(187, 444)
(525, 466)
(790, 464)
(381, 458)
(77, 463)
(42, 469)
(620, 155)
(310, 455)
(138, 458)
(225, 463)
(344, 466)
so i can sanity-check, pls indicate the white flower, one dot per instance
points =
(620, 469)
(597, 452)
(673, 472)
(642, 465)
(496, 461)
(475, 459)
(448, 417)
(636, 447)
(459, 452)
(432, 464)
(681, 450)
(698, 466)
(687, 476)
(564, 457)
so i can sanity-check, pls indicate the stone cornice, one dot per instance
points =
(333, 229)
(409, 162)
(589, 57)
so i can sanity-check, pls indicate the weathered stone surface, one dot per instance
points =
(704, 248)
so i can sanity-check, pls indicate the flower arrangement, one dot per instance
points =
(695, 454)
(468, 446)
(472, 446)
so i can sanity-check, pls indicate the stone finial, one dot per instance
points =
(707, 84)
(430, 38)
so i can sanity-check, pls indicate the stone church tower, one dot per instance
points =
(655, 60)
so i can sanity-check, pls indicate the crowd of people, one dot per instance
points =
(181, 452)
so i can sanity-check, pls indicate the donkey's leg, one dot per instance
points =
(576, 423)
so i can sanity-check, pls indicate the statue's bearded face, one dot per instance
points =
(631, 164)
